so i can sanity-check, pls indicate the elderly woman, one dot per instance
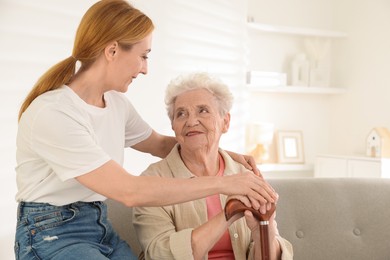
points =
(198, 106)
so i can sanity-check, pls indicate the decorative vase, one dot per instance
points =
(300, 70)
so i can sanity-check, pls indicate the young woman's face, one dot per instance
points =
(197, 122)
(129, 63)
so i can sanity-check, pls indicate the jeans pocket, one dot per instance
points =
(52, 219)
(45, 229)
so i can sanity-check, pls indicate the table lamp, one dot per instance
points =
(258, 140)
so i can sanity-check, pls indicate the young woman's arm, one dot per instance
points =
(160, 146)
(113, 181)
(156, 145)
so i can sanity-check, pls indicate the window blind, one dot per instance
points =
(211, 36)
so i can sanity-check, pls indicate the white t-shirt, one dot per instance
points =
(61, 137)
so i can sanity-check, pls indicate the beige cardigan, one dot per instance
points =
(165, 232)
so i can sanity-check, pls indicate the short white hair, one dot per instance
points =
(198, 80)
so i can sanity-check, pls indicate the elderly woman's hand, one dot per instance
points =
(244, 199)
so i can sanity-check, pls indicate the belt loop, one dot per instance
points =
(19, 211)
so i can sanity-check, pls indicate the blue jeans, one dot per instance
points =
(76, 231)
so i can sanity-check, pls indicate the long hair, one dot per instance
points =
(104, 22)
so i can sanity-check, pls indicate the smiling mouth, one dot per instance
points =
(193, 133)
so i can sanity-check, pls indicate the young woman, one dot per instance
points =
(73, 128)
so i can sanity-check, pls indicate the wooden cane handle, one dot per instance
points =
(235, 206)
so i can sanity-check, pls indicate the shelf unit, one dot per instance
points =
(296, 89)
(288, 40)
(296, 31)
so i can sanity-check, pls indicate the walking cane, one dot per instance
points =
(235, 206)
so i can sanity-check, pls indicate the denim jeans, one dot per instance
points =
(76, 231)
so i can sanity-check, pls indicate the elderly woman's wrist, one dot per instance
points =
(277, 248)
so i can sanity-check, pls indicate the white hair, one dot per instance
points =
(198, 80)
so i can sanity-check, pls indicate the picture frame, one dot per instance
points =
(290, 147)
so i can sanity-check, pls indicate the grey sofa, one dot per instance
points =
(330, 219)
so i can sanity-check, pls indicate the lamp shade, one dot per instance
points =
(259, 138)
(261, 133)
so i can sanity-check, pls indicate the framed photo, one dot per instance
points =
(290, 147)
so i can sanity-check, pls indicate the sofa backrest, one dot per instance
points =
(335, 218)
(122, 221)
(324, 219)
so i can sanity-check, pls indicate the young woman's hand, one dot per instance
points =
(246, 160)
(259, 192)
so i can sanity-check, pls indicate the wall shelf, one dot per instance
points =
(270, 171)
(278, 167)
(296, 89)
(295, 30)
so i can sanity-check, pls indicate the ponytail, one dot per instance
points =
(54, 78)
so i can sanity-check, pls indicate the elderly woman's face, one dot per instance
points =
(196, 120)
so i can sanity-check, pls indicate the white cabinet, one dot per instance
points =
(328, 166)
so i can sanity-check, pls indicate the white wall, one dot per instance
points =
(299, 13)
(364, 62)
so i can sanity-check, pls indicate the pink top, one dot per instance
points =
(223, 248)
